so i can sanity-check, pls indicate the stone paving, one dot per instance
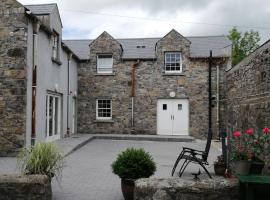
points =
(88, 174)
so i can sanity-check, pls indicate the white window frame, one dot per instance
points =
(55, 47)
(55, 135)
(97, 110)
(104, 69)
(172, 64)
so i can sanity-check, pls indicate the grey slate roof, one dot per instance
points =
(200, 47)
(39, 9)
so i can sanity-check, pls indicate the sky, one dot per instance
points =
(87, 19)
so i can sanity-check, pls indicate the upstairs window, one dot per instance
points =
(104, 64)
(104, 109)
(173, 62)
(55, 48)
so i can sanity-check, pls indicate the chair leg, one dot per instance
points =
(181, 173)
(202, 165)
(182, 166)
(176, 162)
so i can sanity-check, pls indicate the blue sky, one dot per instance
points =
(86, 19)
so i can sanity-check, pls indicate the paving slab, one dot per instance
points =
(88, 174)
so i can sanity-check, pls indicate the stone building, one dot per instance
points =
(149, 85)
(51, 88)
(248, 92)
(38, 77)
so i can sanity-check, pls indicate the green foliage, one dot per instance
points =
(43, 158)
(134, 164)
(243, 44)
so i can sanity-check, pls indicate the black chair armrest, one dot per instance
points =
(193, 150)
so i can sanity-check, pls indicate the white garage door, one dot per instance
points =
(172, 117)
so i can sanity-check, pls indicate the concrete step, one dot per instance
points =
(159, 138)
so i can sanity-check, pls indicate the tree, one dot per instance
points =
(243, 44)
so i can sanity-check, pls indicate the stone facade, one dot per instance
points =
(30, 187)
(13, 48)
(151, 84)
(180, 189)
(248, 92)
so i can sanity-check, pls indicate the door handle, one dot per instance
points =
(173, 117)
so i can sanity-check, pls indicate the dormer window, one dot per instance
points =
(104, 64)
(55, 47)
(173, 62)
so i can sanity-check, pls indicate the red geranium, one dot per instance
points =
(266, 130)
(237, 134)
(249, 131)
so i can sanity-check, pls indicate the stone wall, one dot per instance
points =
(248, 92)
(13, 48)
(151, 84)
(30, 187)
(180, 189)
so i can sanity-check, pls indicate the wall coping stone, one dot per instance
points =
(179, 188)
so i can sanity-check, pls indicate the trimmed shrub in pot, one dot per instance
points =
(130, 165)
(43, 158)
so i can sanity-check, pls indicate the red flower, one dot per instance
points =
(266, 130)
(237, 134)
(249, 131)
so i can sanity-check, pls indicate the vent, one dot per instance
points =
(139, 47)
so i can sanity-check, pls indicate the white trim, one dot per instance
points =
(55, 134)
(103, 118)
(107, 64)
(180, 63)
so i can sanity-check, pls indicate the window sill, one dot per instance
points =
(104, 74)
(173, 74)
(104, 121)
(57, 61)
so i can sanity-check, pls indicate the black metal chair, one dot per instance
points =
(194, 156)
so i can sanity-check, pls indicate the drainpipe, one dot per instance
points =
(218, 132)
(68, 93)
(36, 27)
(210, 96)
(133, 82)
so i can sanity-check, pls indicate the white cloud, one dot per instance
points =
(88, 24)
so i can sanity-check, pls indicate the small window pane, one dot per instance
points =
(164, 106)
(179, 106)
(104, 110)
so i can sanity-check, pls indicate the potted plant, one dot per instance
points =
(131, 165)
(260, 144)
(220, 166)
(43, 158)
(240, 153)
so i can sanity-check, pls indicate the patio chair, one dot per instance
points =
(190, 155)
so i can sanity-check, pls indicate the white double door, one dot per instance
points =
(172, 117)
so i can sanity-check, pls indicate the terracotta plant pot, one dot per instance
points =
(257, 166)
(242, 167)
(219, 169)
(127, 186)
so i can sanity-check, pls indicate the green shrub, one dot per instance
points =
(43, 158)
(134, 164)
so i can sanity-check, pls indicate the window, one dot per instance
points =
(164, 106)
(104, 64)
(179, 106)
(173, 62)
(53, 116)
(104, 109)
(55, 48)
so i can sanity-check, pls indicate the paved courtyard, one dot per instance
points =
(88, 174)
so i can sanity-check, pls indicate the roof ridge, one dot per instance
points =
(40, 4)
(149, 38)
(204, 36)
